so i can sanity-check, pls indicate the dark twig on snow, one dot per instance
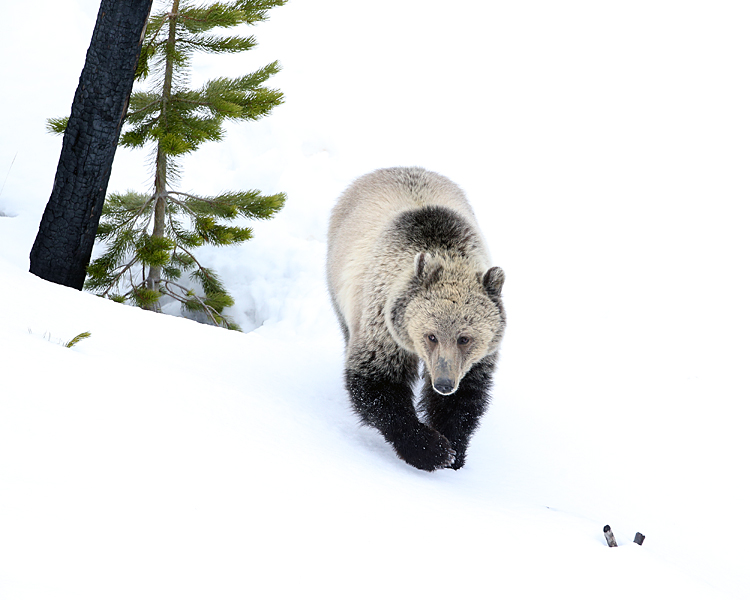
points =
(609, 536)
(639, 537)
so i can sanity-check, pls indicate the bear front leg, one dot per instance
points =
(457, 416)
(385, 401)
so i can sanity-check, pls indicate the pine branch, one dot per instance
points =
(57, 125)
(115, 278)
(81, 336)
(210, 311)
(255, 10)
(140, 103)
(201, 19)
(220, 45)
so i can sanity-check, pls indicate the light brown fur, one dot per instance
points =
(410, 277)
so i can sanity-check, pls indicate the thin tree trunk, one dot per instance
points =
(160, 181)
(62, 249)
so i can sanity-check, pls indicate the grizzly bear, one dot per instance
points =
(410, 279)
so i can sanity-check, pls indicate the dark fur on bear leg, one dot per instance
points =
(389, 407)
(456, 416)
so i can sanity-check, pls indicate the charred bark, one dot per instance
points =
(62, 249)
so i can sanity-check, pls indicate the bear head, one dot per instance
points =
(450, 315)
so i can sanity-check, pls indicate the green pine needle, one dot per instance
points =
(57, 126)
(81, 336)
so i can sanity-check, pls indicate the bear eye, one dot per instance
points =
(432, 338)
(463, 340)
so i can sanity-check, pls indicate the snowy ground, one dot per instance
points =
(605, 148)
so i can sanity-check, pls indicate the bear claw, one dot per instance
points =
(451, 459)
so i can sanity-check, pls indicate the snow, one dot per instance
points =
(605, 149)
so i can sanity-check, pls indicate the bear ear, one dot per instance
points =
(493, 281)
(426, 267)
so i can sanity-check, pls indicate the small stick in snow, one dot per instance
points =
(609, 536)
(639, 537)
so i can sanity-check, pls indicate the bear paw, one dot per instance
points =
(426, 449)
(459, 461)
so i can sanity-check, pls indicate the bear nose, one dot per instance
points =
(443, 385)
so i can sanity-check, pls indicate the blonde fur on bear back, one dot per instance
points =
(364, 211)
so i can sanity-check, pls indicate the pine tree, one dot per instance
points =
(151, 238)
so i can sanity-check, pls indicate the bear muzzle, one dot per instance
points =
(444, 386)
(444, 380)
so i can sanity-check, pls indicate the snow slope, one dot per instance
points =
(605, 150)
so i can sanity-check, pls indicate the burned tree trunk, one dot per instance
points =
(62, 249)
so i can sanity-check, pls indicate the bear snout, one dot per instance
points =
(443, 374)
(444, 386)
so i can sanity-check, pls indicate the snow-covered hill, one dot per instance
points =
(605, 151)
